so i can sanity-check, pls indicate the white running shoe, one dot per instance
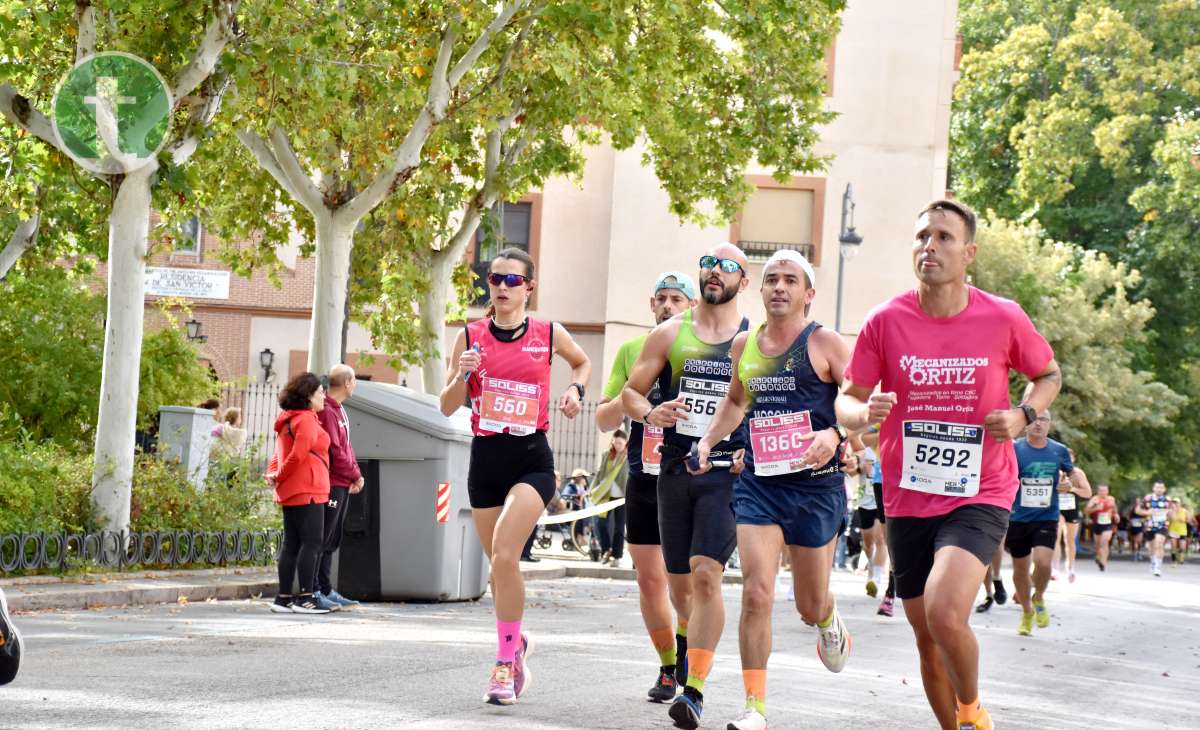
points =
(750, 719)
(833, 643)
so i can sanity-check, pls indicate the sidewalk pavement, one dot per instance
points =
(40, 593)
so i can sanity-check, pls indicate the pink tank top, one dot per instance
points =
(510, 392)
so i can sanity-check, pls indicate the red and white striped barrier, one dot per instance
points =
(443, 502)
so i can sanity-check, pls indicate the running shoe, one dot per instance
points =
(982, 722)
(522, 677)
(307, 604)
(1099, 564)
(1025, 628)
(1039, 611)
(999, 593)
(687, 708)
(833, 644)
(324, 602)
(500, 689)
(872, 589)
(10, 644)
(750, 719)
(281, 605)
(681, 666)
(886, 606)
(341, 600)
(664, 689)
(1157, 571)
(1071, 576)
(985, 606)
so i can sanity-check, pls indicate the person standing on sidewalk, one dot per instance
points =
(299, 472)
(612, 475)
(345, 478)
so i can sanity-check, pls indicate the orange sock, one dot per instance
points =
(755, 681)
(968, 711)
(664, 644)
(699, 665)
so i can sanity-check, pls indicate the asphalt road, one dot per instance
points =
(1122, 651)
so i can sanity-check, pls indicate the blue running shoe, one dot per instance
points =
(687, 708)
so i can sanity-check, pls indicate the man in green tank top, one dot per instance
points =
(688, 355)
(673, 293)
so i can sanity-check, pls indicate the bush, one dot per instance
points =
(45, 487)
(52, 327)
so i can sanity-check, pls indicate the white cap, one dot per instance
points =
(787, 254)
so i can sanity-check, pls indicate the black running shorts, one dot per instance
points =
(868, 517)
(641, 515)
(879, 503)
(500, 462)
(1023, 537)
(1070, 515)
(695, 516)
(913, 541)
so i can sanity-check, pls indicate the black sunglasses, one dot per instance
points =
(729, 266)
(509, 280)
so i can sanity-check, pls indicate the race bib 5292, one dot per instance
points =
(942, 458)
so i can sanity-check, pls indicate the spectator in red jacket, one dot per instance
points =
(299, 472)
(345, 478)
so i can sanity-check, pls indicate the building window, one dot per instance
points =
(188, 237)
(508, 225)
(787, 215)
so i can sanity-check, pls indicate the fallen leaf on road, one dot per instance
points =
(182, 600)
(1166, 674)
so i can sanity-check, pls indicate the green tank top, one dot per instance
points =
(700, 372)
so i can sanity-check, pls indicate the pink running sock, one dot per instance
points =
(508, 634)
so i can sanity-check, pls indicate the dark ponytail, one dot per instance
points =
(514, 254)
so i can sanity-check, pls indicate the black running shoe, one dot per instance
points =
(985, 606)
(680, 660)
(10, 644)
(664, 689)
(1000, 593)
(686, 709)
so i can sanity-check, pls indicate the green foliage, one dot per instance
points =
(1079, 300)
(171, 375)
(45, 487)
(698, 85)
(52, 325)
(1080, 115)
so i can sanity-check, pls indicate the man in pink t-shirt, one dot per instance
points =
(941, 356)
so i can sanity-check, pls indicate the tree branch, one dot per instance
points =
(221, 30)
(85, 24)
(23, 238)
(309, 196)
(19, 111)
(408, 155)
(481, 44)
(505, 62)
(205, 110)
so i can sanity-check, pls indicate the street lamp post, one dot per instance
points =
(849, 240)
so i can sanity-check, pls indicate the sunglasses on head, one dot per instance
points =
(729, 266)
(509, 280)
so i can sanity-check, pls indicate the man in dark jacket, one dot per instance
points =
(345, 478)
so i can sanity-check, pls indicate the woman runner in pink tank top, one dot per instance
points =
(502, 364)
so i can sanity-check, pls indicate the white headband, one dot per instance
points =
(787, 254)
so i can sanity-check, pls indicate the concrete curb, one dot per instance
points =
(45, 593)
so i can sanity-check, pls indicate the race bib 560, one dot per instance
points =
(509, 405)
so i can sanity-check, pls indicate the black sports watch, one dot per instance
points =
(1030, 413)
(579, 388)
(841, 431)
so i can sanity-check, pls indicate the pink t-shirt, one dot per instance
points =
(946, 371)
